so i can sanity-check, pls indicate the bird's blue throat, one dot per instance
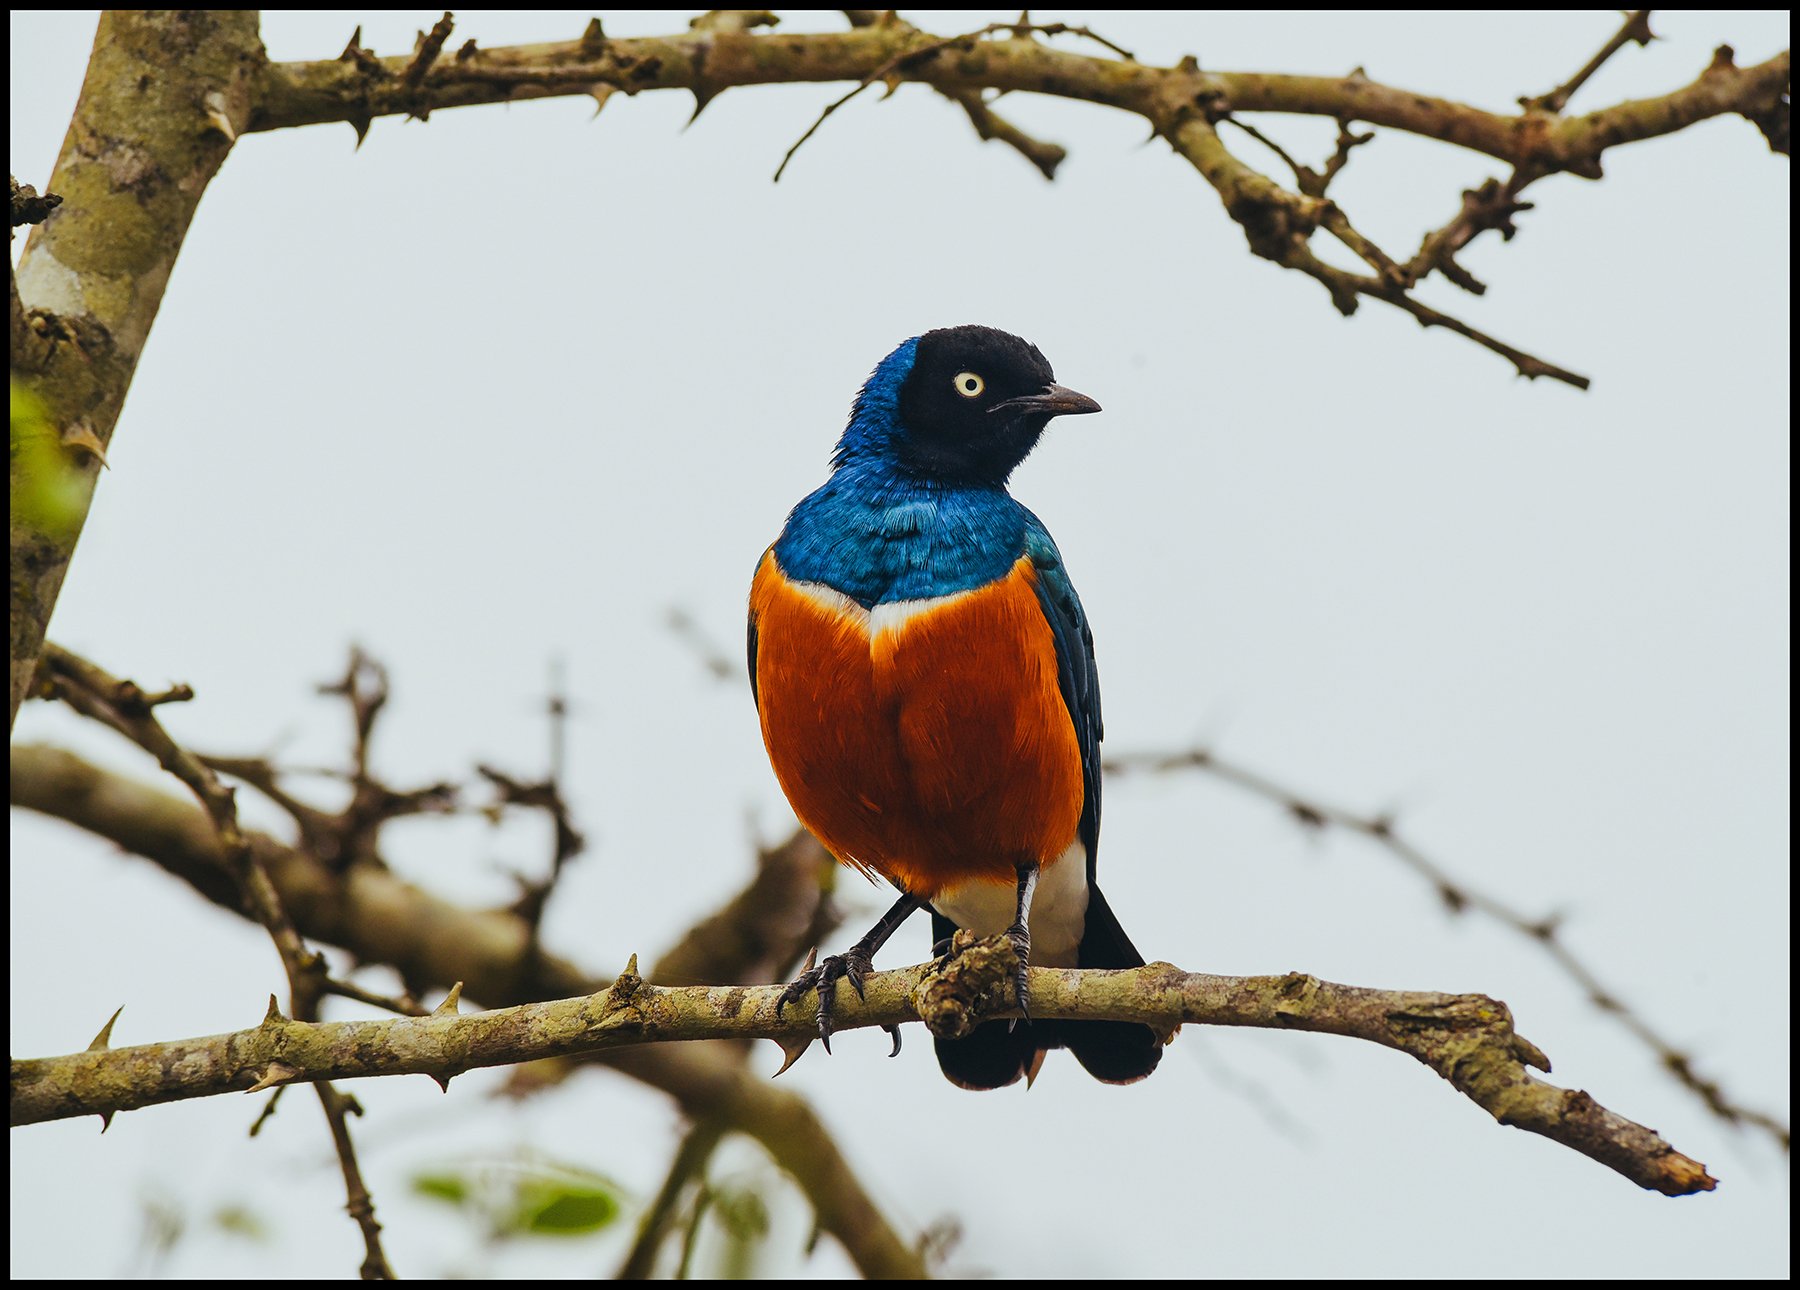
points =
(879, 532)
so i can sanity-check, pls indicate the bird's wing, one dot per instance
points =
(1076, 674)
(750, 634)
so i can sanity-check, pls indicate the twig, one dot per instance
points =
(1278, 224)
(361, 1205)
(1467, 1039)
(1491, 206)
(1636, 28)
(712, 658)
(545, 795)
(425, 52)
(1458, 898)
(352, 834)
(1019, 30)
(658, 1222)
(404, 1004)
(989, 124)
(1528, 366)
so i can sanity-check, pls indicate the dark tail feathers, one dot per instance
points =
(998, 1053)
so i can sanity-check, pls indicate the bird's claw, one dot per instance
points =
(853, 966)
(1020, 936)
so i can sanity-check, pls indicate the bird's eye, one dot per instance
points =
(969, 385)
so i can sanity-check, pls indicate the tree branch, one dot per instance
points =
(989, 124)
(380, 918)
(1467, 1039)
(1180, 102)
(133, 167)
(1636, 28)
(1458, 898)
(128, 709)
(308, 93)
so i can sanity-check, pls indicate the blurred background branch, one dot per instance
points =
(1546, 931)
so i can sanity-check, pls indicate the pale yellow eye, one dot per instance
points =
(969, 385)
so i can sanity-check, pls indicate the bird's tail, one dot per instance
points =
(997, 1053)
(1117, 1052)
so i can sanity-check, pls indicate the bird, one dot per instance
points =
(924, 677)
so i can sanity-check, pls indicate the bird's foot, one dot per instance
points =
(853, 965)
(1019, 936)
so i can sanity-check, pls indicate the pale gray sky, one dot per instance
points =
(512, 383)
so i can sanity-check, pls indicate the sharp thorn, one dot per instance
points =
(448, 1007)
(103, 1040)
(792, 1053)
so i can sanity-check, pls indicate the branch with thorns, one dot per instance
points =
(378, 917)
(131, 711)
(1467, 1039)
(1183, 104)
(360, 905)
(1459, 898)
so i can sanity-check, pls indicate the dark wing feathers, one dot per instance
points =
(1076, 673)
(750, 649)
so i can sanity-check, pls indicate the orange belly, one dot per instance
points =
(932, 747)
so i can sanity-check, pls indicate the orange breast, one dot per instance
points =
(929, 742)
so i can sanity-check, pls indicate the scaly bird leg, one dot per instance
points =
(1020, 934)
(854, 964)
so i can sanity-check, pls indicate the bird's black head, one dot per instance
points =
(962, 405)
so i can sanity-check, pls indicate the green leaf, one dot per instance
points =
(562, 1207)
(48, 488)
(450, 1188)
(235, 1220)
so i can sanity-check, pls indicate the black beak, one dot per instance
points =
(1051, 401)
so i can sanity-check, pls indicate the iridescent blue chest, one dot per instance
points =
(880, 536)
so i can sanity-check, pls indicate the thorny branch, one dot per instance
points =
(1458, 898)
(131, 711)
(1181, 103)
(1467, 1039)
(923, 47)
(379, 918)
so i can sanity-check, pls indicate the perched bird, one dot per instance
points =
(924, 675)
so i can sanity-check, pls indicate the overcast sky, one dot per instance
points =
(511, 384)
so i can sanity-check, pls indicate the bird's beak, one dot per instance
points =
(1051, 401)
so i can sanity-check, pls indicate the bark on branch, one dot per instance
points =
(1467, 1039)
